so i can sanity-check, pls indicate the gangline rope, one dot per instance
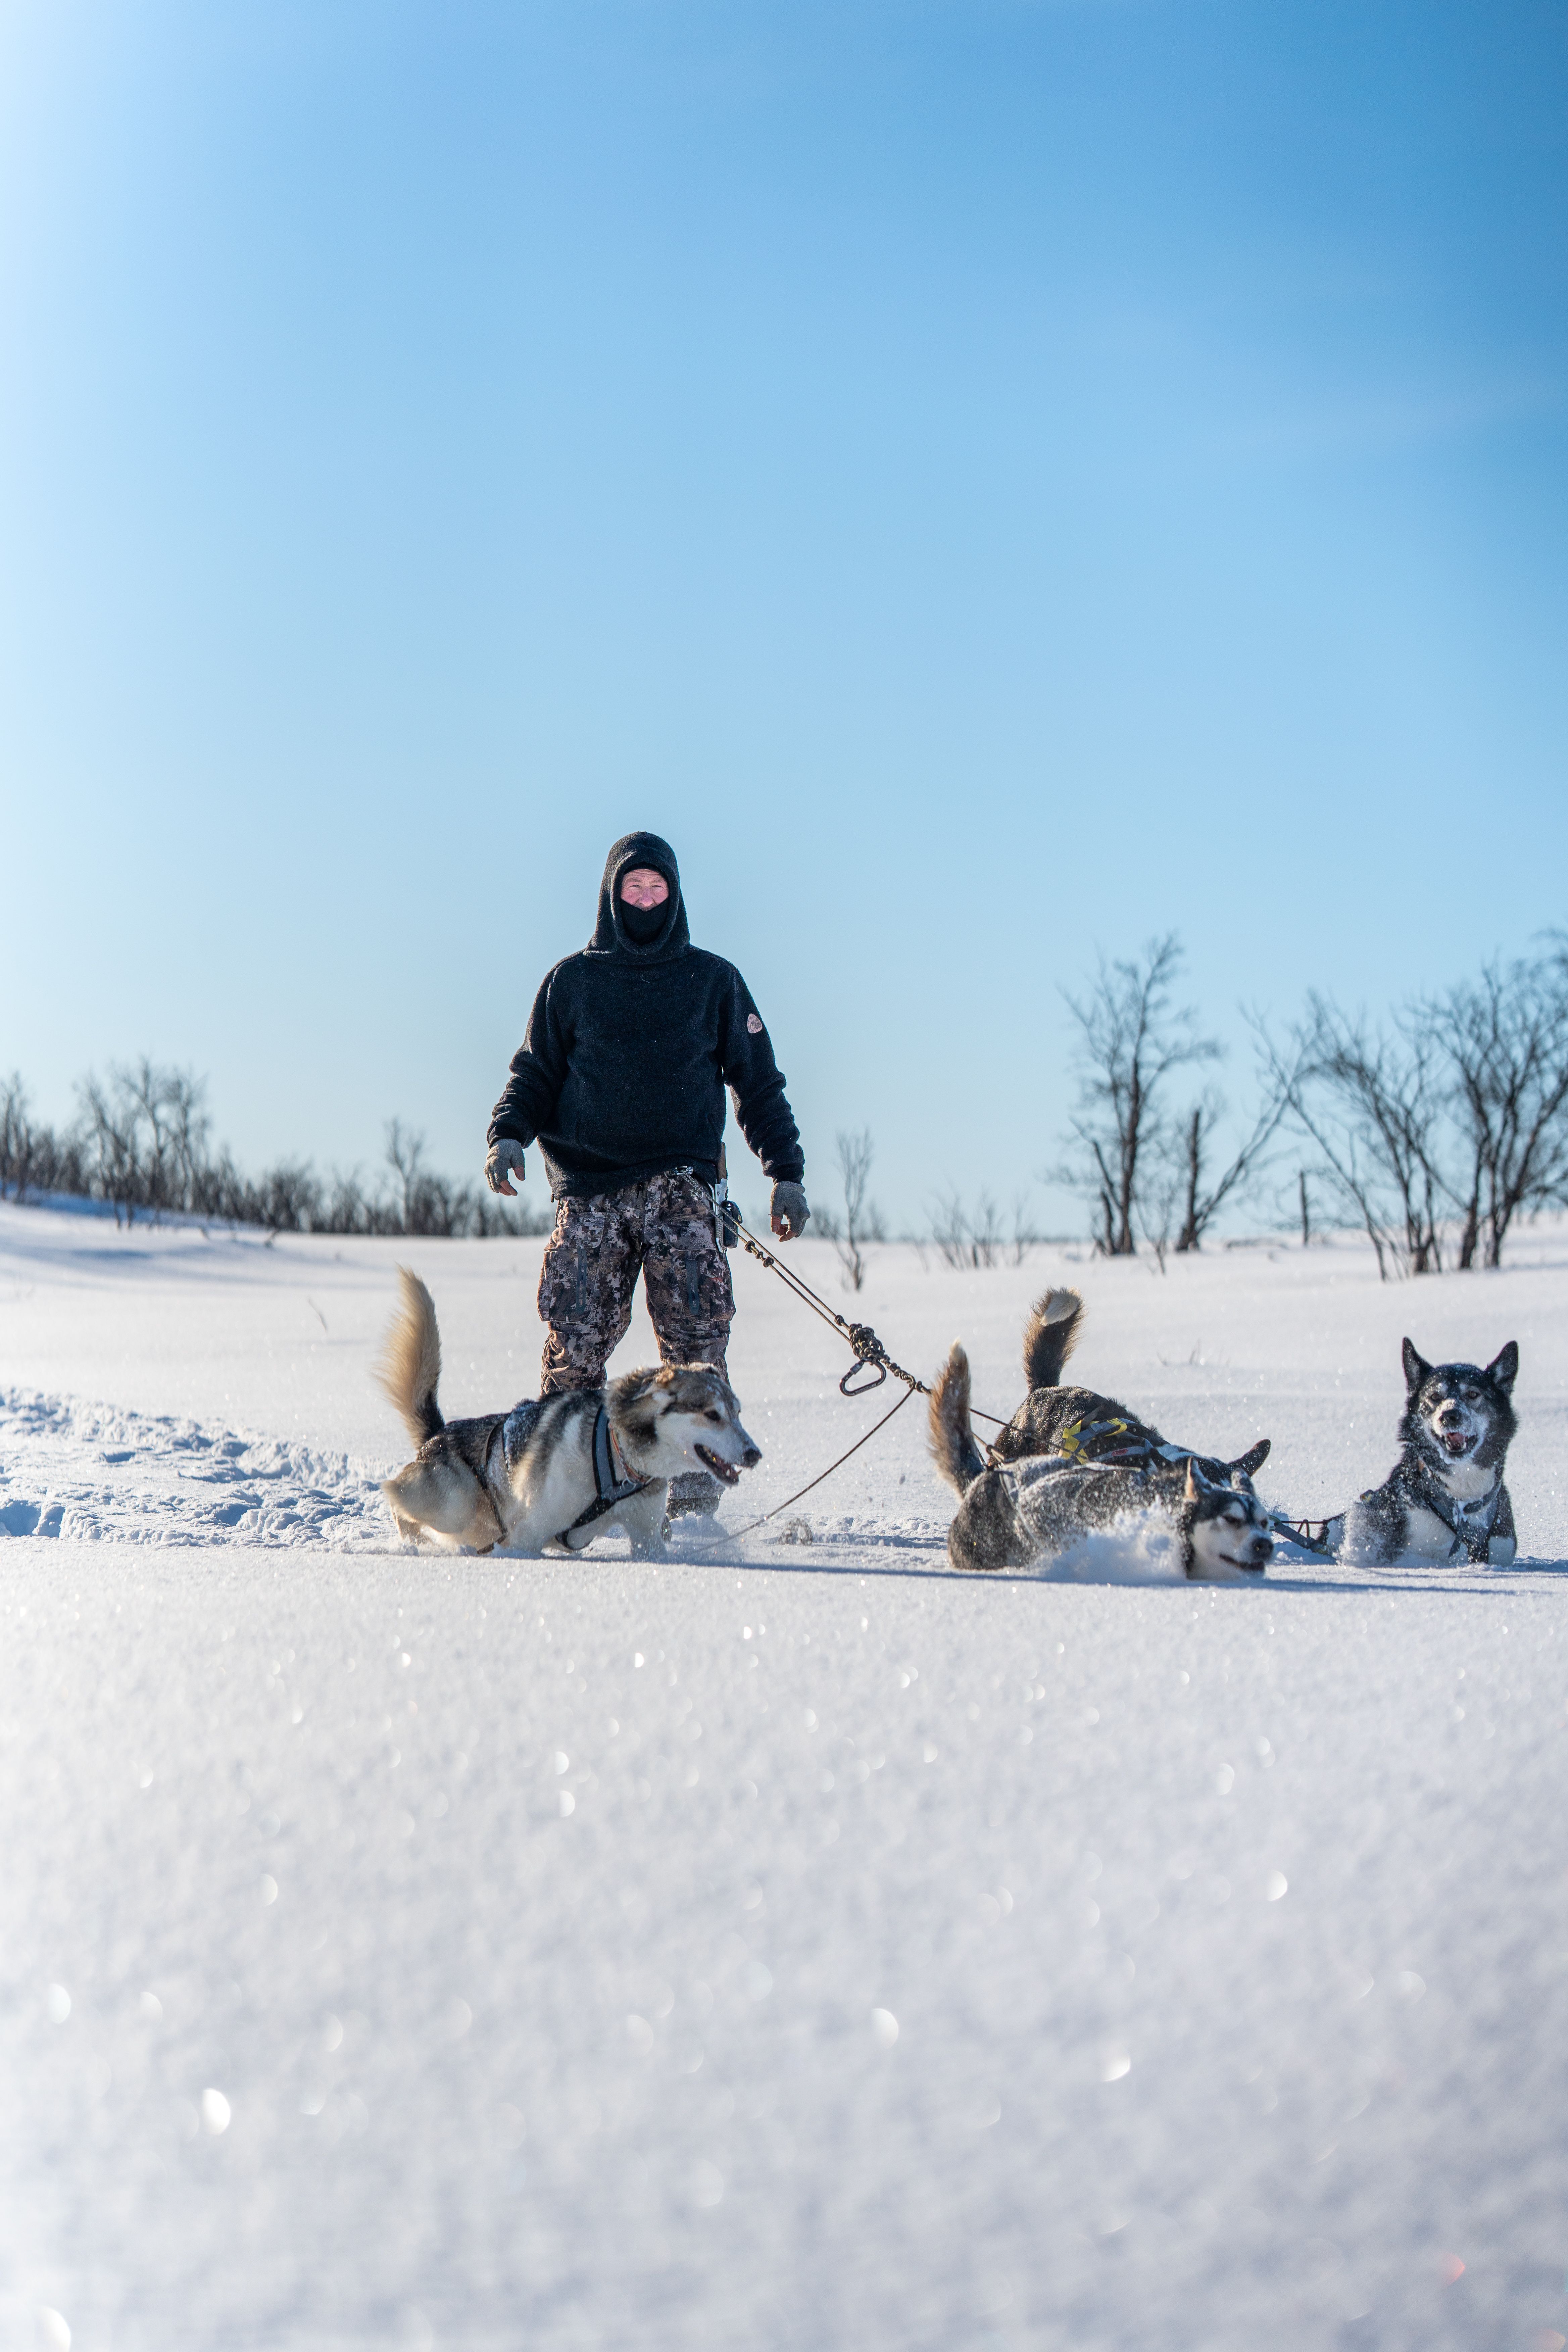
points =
(869, 1353)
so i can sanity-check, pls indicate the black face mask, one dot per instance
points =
(643, 925)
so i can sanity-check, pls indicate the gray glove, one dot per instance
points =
(787, 1211)
(505, 1159)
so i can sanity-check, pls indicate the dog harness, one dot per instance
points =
(1470, 1524)
(510, 1438)
(1076, 1445)
(612, 1490)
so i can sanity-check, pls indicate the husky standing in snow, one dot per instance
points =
(557, 1470)
(1084, 1462)
(1445, 1498)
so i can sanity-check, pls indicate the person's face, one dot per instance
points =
(644, 887)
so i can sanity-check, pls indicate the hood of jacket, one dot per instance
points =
(610, 934)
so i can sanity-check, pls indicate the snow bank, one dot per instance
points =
(74, 1469)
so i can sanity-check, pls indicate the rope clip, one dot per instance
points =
(870, 1355)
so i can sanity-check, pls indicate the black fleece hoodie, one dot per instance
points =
(629, 1048)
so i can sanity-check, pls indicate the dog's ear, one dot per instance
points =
(1416, 1366)
(1199, 1482)
(1504, 1367)
(1252, 1460)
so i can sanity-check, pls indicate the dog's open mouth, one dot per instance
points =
(1457, 1440)
(716, 1462)
(1247, 1566)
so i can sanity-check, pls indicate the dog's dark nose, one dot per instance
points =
(751, 1456)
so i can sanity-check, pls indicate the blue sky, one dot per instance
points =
(991, 482)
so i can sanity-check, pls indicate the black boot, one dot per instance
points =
(695, 1491)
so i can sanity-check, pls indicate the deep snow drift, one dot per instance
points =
(778, 1945)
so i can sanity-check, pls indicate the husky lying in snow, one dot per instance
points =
(559, 1470)
(1086, 1461)
(1445, 1498)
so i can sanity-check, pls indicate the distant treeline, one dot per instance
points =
(140, 1143)
(1434, 1128)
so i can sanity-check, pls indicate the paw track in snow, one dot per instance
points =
(69, 1467)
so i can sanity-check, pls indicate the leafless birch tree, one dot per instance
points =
(1506, 1039)
(856, 1153)
(1131, 1038)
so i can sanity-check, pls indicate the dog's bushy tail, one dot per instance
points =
(410, 1366)
(1050, 1335)
(953, 1450)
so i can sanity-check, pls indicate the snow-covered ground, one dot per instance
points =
(783, 1945)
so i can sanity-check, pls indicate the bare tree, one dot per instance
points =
(1506, 1039)
(1204, 1190)
(112, 1141)
(856, 1153)
(1374, 1103)
(424, 1203)
(406, 1157)
(288, 1200)
(1131, 1038)
(345, 1209)
(16, 1138)
(33, 1158)
(146, 1130)
(516, 1219)
(1160, 1188)
(964, 1237)
(1393, 1088)
(950, 1228)
(166, 1107)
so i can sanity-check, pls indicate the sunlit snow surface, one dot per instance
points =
(788, 1945)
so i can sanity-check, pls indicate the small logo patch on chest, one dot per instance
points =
(754, 1024)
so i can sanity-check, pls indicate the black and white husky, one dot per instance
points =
(1445, 1498)
(1071, 1460)
(559, 1471)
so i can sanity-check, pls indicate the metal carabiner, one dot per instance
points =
(863, 1364)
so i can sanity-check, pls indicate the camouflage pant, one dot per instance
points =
(663, 1229)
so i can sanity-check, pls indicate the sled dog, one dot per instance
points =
(1445, 1498)
(554, 1472)
(1083, 1461)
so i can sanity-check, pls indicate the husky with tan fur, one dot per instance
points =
(1071, 1460)
(529, 1479)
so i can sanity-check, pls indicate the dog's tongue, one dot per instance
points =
(1456, 1439)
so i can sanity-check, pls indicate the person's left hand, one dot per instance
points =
(505, 1162)
(787, 1211)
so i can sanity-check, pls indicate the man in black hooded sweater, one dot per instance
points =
(620, 1079)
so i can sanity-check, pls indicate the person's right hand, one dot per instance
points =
(505, 1159)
